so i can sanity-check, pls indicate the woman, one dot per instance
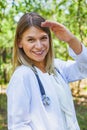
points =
(38, 94)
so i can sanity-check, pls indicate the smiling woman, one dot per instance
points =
(29, 31)
(35, 43)
(38, 94)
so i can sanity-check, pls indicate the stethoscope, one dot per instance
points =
(45, 99)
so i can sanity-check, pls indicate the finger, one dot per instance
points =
(47, 23)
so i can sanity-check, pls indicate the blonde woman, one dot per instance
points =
(39, 97)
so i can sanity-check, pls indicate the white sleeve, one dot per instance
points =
(74, 70)
(18, 101)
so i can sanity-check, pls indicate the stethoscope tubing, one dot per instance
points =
(45, 99)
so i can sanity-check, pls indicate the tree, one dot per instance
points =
(70, 13)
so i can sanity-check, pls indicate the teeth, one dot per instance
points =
(38, 53)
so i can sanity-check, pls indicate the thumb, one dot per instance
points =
(46, 23)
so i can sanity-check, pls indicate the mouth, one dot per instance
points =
(38, 52)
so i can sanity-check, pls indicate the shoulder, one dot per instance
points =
(20, 79)
(22, 71)
(22, 74)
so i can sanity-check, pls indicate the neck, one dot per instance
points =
(41, 67)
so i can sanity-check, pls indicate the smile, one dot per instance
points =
(38, 52)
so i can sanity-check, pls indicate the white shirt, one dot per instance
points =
(25, 108)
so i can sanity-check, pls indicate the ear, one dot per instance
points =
(19, 44)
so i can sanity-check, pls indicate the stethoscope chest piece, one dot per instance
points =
(46, 100)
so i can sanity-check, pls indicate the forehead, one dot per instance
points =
(34, 31)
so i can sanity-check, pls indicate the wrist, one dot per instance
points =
(75, 44)
(72, 39)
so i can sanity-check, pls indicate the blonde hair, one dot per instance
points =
(19, 57)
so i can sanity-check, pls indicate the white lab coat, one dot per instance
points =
(25, 108)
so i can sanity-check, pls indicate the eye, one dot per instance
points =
(44, 38)
(30, 40)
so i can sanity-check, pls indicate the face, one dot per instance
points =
(35, 43)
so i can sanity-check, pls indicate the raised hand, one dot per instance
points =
(64, 34)
(59, 30)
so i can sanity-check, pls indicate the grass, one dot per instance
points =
(3, 112)
(81, 111)
(80, 105)
(82, 117)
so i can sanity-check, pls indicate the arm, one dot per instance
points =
(71, 70)
(18, 103)
(64, 34)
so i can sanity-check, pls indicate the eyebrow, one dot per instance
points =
(29, 36)
(33, 36)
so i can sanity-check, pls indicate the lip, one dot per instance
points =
(38, 52)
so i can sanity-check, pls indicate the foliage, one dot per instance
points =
(3, 112)
(70, 13)
(81, 111)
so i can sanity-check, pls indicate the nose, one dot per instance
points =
(38, 44)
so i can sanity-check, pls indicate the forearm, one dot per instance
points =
(75, 44)
(63, 34)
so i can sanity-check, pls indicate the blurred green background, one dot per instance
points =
(71, 13)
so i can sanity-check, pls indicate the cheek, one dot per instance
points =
(48, 46)
(25, 48)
